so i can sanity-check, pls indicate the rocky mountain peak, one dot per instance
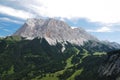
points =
(53, 31)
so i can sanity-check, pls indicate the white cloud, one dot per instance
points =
(104, 11)
(10, 20)
(15, 12)
(112, 27)
(102, 29)
(73, 27)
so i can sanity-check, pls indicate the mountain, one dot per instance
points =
(54, 31)
(36, 59)
(113, 44)
(110, 69)
(49, 49)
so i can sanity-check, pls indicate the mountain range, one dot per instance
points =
(49, 49)
(53, 31)
(56, 31)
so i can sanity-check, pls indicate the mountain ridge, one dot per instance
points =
(53, 31)
(49, 49)
(56, 31)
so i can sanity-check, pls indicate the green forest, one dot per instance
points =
(22, 59)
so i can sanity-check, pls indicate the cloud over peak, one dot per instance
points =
(15, 12)
(105, 11)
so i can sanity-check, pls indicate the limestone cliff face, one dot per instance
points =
(54, 31)
(110, 70)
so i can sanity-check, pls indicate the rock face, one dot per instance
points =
(111, 44)
(110, 70)
(53, 31)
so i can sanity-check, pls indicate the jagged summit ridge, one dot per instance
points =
(53, 31)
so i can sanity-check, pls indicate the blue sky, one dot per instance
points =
(100, 18)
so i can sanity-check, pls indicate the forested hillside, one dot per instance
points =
(22, 59)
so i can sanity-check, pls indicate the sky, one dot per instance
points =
(100, 18)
